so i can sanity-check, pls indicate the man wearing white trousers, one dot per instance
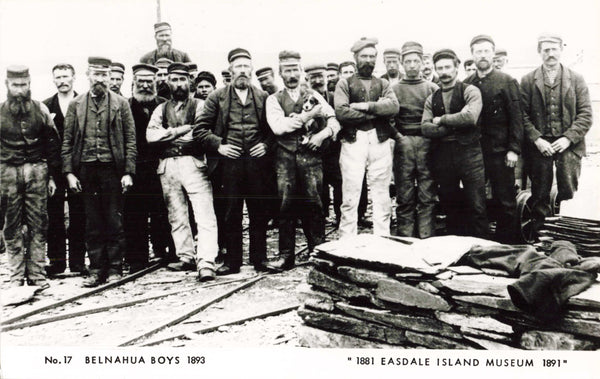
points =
(364, 106)
(183, 174)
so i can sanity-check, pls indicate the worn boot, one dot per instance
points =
(283, 263)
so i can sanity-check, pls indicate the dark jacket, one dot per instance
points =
(382, 101)
(59, 117)
(501, 118)
(141, 116)
(121, 132)
(175, 55)
(214, 122)
(576, 107)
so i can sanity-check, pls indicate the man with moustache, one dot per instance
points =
(414, 213)
(117, 73)
(234, 132)
(64, 76)
(501, 123)
(500, 59)
(297, 161)
(98, 156)
(162, 86)
(347, 69)
(333, 76)
(427, 71)
(364, 105)
(162, 35)
(183, 175)
(391, 60)
(205, 84)
(557, 116)
(332, 176)
(450, 119)
(266, 79)
(145, 199)
(29, 160)
(470, 68)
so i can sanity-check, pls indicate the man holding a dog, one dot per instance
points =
(302, 121)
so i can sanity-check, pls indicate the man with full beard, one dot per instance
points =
(205, 84)
(162, 35)
(266, 79)
(414, 213)
(502, 134)
(29, 160)
(64, 76)
(162, 87)
(298, 161)
(233, 130)
(145, 199)
(364, 105)
(99, 148)
(183, 175)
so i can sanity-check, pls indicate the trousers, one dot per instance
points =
(502, 180)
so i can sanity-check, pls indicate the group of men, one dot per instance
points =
(179, 168)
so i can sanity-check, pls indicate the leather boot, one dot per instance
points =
(283, 263)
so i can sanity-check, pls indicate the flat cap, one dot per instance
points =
(238, 53)
(333, 66)
(445, 53)
(99, 62)
(482, 38)
(289, 56)
(17, 71)
(501, 52)
(142, 67)
(548, 37)
(314, 68)
(264, 72)
(163, 63)
(192, 66)
(160, 26)
(362, 43)
(117, 67)
(208, 76)
(226, 73)
(178, 68)
(347, 63)
(391, 51)
(427, 55)
(412, 47)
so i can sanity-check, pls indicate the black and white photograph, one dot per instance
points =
(299, 189)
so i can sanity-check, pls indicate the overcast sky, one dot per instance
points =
(40, 33)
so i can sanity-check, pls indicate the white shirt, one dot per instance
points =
(242, 94)
(294, 93)
(63, 102)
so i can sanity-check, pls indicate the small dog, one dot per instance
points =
(311, 127)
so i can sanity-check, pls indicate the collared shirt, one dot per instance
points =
(242, 94)
(243, 128)
(157, 133)
(294, 93)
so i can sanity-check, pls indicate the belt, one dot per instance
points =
(177, 151)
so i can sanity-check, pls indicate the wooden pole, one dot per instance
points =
(158, 15)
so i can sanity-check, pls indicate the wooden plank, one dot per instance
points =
(91, 292)
(464, 270)
(543, 340)
(360, 276)
(395, 292)
(415, 323)
(482, 322)
(352, 326)
(194, 311)
(434, 342)
(335, 286)
(238, 321)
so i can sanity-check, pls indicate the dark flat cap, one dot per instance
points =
(141, 67)
(118, 67)
(163, 63)
(482, 38)
(178, 68)
(362, 43)
(226, 73)
(288, 55)
(99, 62)
(311, 68)
(501, 52)
(160, 26)
(333, 66)
(412, 47)
(547, 37)
(347, 63)
(192, 66)
(238, 53)
(445, 53)
(205, 75)
(263, 72)
(391, 51)
(17, 71)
